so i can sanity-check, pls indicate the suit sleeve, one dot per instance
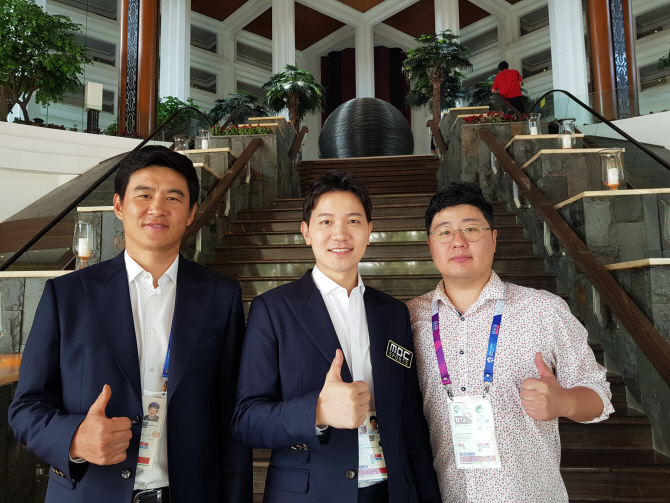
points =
(237, 459)
(262, 418)
(36, 414)
(416, 431)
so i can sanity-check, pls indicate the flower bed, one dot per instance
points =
(493, 118)
(240, 130)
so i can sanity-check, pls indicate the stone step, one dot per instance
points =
(378, 223)
(514, 232)
(618, 432)
(385, 210)
(394, 285)
(408, 266)
(504, 249)
(409, 198)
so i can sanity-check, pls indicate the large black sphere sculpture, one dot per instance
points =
(365, 127)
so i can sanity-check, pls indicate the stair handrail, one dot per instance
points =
(639, 145)
(437, 137)
(505, 100)
(88, 191)
(223, 186)
(295, 148)
(641, 329)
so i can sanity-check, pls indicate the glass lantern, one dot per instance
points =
(612, 168)
(534, 124)
(566, 128)
(181, 143)
(83, 243)
(202, 140)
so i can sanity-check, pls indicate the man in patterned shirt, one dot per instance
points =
(528, 368)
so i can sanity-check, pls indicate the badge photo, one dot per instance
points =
(398, 354)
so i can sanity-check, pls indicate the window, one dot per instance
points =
(104, 8)
(536, 64)
(205, 81)
(253, 56)
(77, 99)
(482, 42)
(203, 39)
(651, 76)
(256, 91)
(533, 21)
(98, 50)
(653, 21)
(108, 101)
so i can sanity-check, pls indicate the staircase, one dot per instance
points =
(610, 461)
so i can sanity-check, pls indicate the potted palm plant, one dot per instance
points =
(224, 108)
(295, 89)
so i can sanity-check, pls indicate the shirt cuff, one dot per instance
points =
(607, 405)
(320, 431)
(77, 460)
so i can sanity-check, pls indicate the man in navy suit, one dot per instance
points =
(322, 357)
(106, 338)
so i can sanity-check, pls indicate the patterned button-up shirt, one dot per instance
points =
(530, 450)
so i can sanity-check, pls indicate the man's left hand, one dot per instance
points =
(543, 399)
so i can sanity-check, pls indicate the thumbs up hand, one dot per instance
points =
(341, 405)
(543, 399)
(101, 440)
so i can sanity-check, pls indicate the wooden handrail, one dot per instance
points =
(208, 207)
(437, 137)
(643, 332)
(297, 142)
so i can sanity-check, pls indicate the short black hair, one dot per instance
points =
(157, 155)
(336, 181)
(459, 193)
(373, 417)
(504, 65)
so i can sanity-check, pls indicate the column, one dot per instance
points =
(175, 49)
(229, 51)
(568, 50)
(283, 34)
(365, 61)
(446, 16)
(147, 68)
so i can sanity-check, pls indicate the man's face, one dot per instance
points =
(373, 423)
(462, 261)
(338, 234)
(155, 209)
(152, 412)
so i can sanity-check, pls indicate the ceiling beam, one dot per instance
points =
(382, 11)
(245, 14)
(394, 38)
(499, 8)
(336, 10)
(326, 44)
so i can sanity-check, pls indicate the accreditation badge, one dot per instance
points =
(473, 433)
(371, 463)
(154, 409)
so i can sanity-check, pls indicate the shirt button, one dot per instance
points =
(462, 388)
(350, 474)
(126, 474)
(151, 369)
(136, 419)
(152, 330)
(462, 352)
(463, 319)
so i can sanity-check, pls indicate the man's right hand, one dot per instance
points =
(101, 440)
(341, 405)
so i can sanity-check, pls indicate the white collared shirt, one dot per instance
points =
(347, 313)
(153, 309)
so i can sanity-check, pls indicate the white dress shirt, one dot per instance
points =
(153, 309)
(347, 313)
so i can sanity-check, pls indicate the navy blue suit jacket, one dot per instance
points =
(288, 350)
(83, 337)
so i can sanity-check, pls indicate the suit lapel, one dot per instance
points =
(195, 293)
(310, 310)
(109, 298)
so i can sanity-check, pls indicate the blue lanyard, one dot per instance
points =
(490, 352)
(167, 360)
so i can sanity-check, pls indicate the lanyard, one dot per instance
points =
(490, 352)
(166, 365)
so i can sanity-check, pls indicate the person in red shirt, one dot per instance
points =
(508, 85)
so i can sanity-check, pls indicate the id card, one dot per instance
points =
(371, 463)
(152, 429)
(473, 433)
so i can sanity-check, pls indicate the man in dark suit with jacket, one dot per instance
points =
(106, 338)
(322, 357)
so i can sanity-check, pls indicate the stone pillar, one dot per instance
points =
(175, 49)
(446, 16)
(229, 51)
(283, 34)
(568, 50)
(365, 61)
